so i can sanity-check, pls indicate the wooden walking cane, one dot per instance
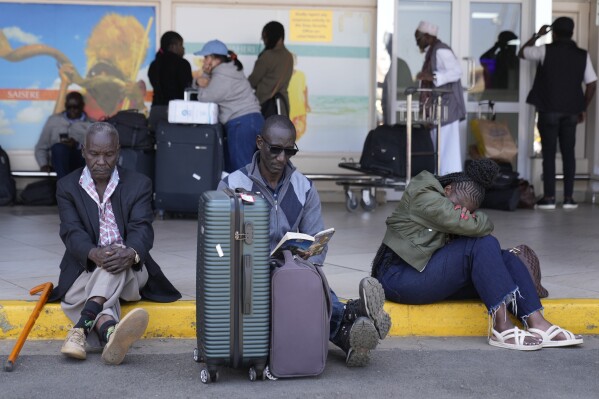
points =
(46, 289)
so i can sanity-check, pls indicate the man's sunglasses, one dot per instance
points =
(276, 150)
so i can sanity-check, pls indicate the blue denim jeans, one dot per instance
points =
(241, 140)
(66, 159)
(554, 126)
(465, 268)
(336, 315)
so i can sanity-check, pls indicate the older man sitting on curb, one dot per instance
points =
(106, 225)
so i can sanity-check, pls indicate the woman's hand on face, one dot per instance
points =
(203, 81)
(207, 65)
(465, 214)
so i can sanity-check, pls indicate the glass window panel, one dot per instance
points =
(495, 30)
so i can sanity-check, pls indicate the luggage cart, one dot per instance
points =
(429, 116)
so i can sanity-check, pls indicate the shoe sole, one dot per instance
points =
(505, 345)
(372, 296)
(127, 331)
(363, 337)
(545, 207)
(569, 206)
(73, 353)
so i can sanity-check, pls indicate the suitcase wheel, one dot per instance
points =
(207, 376)
(196, 355)
(252, 374)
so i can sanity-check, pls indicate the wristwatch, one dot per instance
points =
(137, 258)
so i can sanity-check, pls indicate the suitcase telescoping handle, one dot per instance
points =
(246, 296)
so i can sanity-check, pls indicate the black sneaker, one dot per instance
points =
(357, 339)
(370, 304)
(545, 203)
(569, 203)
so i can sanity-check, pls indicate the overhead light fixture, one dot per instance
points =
(484, 15)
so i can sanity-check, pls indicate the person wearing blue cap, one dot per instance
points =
(560, 102)
(224, 83)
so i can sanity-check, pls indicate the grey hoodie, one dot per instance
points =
(294, 206)
(230, 89)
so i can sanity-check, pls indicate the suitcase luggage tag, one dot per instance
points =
(247, 198)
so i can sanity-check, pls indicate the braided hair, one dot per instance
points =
(471, 184)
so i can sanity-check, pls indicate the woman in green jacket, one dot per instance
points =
(436, 248)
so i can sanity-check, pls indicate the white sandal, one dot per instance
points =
(553, 331)
(498, 339)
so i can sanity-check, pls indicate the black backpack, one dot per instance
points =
(41, 192)
(134, 130)
(384, 151)
(7, 183)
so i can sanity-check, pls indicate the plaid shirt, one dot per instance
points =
(109, 231)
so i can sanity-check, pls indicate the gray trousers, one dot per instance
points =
(113, 287)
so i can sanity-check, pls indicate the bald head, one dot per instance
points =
(279, 126)
(276, 145)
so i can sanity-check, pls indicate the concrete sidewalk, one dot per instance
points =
(565, 241)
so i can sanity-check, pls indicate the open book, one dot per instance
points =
(303, 244)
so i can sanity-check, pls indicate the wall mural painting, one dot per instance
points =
(47, 50)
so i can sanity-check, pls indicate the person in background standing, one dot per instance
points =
(273, 69)
(560, 102)
(441, 70)
(169, 74)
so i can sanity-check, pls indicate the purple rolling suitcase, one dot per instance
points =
(300, 319)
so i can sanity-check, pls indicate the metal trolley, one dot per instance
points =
(430, 116)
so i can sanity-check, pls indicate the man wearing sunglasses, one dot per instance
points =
(59, 145)
(357, 326)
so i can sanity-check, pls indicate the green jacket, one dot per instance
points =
(424, 220)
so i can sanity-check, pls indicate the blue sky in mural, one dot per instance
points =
(66, 28)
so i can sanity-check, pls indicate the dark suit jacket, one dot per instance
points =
(80, 224)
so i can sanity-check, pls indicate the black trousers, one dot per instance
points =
(554, 126)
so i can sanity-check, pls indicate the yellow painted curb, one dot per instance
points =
(177, 320)
(469, 318)
(167, 320)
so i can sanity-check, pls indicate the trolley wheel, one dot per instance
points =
(351, 202)
(160, 214)
(252, 374)
(368, 201)
(196, 355)
(204, 375)
(214, 376)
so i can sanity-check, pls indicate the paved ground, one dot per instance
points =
(565, 241)
(401, 368)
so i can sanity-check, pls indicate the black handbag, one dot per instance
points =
(274, 106)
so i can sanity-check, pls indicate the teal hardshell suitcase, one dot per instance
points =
(232, 283)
